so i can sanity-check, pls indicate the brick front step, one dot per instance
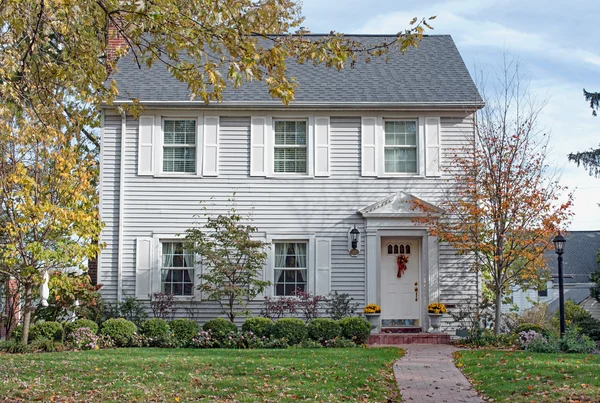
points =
(391, 339)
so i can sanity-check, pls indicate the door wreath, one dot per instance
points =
(401, 260)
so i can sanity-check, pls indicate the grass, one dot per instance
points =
(519, 376)
(172, 375)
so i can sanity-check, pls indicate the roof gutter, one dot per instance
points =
(250, 105)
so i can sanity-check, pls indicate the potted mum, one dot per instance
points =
(372, 313)
(435, 311)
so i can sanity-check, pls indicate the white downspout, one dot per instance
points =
(121, 205)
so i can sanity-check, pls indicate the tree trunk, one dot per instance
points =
(498, 316)
(27, 310)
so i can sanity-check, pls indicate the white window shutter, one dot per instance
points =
(322, 146)
(323, 266)
(210, 149)
(146, 145)
(432, 142)
(258, 144)
(143, 267)
(368, 146)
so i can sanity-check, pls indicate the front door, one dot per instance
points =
(400, 289)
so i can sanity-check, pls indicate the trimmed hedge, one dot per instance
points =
(261, 327)
(219, 326)
(46, 331)
(156, 329)
(70, 327)
(292, 329)
(119, 330)
(526, 327)
(184, 330)
(355, 329)
(321, 329)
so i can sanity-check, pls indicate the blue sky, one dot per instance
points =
(558, 46)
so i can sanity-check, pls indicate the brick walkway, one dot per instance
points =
(427, 373)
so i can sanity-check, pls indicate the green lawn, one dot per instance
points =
(170, 375)
(518, 376)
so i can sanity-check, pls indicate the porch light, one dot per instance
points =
(354, 233)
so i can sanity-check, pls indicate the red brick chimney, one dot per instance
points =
(11, 309)
(114, 40)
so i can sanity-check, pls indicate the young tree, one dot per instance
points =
(504, 208)
(232, 261)
(48, 202)
(589, 159)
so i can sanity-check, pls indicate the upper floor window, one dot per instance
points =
(290, 151)
(179, 146)
(291, 268)
(177, 270)
(400, 148)
(543, 293)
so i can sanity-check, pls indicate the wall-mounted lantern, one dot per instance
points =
(354, 241)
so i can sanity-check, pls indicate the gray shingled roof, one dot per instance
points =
(579, 259)
(432, 74)
(577, 295)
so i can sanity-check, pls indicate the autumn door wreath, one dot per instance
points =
(401, 260)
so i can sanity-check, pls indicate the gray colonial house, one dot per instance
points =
(353, 151)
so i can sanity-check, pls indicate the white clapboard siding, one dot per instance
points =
(210, 148)
(146, 163)
(322, 146)
(323, 206)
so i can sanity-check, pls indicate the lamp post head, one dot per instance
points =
(559, 244)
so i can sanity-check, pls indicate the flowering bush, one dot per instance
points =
(372, 308)
(436, 308)
(526, 337)
(84, 338)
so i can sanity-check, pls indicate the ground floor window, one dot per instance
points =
(177, 269)
(290, 268)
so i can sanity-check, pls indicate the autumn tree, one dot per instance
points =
(232, 260)
(48, 202)
(503, 207)
(590, 159)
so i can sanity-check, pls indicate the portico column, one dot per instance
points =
(371, 267)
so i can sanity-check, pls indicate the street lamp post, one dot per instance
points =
(559, 248)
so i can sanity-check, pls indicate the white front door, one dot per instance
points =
(400, 292)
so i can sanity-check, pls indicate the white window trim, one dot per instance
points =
(158, 240)
(269, 273)
(159, 141)
(380, 134)
(270, 146)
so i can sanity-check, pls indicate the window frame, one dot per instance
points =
(275, 267)
(418, 146)
(307, 146)
(157, 287)
(162, 145)
(269, 272)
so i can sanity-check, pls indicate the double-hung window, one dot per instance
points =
(291, 268)
(400, 149)
(290, 146)
(177, 270)
(179, 146)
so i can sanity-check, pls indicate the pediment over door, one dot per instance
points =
(398, 205)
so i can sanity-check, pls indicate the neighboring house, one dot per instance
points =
(353, 150)
(579, 262)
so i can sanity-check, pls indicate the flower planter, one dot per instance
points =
(435, 319)
(373, 319)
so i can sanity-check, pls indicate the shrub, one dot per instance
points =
(46, 346)
(261, 327)
(292, 329)
(17, 332)
(590, 326)
(119, 330)
(84, 339)
(573, 342)
(526, 327)
(155, 328)
(46, 331)
(543, 345)
(323, 329)
(219, 326)
(355, 329)
(14, 347)
(309, 344)
(526, 337)
(184, 330)
(340, 305)
(70, 327)
(339, 343)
